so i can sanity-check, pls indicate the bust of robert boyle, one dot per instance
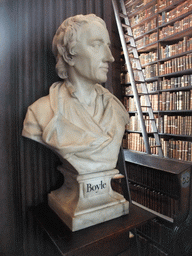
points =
(80, 119)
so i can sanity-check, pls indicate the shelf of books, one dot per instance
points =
(161, 186)
(163, 34)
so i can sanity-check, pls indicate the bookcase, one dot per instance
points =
(163, 34)
(162, 186)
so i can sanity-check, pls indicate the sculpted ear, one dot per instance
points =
(68, 58)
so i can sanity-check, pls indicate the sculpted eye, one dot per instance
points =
(96, 44)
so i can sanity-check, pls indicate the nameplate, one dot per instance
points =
(95, 187)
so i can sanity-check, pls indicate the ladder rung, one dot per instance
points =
(128, 2)
(123, 15)
(143, 93)
(128, 38)
(130, 35)
(145, 106)
(134, 58)
(140, 70)
(131, 47)
(155, 146)
(150, 119)
(138, 82)
(126, 26)
(137, 69)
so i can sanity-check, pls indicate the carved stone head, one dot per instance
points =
(82, 42)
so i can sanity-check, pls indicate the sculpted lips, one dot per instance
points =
(105, 68)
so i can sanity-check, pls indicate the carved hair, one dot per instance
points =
(66, 37)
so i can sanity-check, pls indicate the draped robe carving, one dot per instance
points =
(60, 121)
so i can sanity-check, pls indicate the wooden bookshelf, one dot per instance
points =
(166, 58)
(162, 186)
(142, 7)
(167, 61)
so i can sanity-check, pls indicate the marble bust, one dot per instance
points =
(80, 120)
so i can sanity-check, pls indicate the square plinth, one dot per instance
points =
(86, 200)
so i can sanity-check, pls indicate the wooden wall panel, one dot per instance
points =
(28, 170)
(7, 146)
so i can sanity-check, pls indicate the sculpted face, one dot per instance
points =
(92, 53)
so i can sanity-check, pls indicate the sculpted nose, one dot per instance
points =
(108, 57)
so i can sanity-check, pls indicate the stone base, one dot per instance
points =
(86, 200)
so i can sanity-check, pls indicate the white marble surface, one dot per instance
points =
(86, 200)
(83, 123)
(79, 119)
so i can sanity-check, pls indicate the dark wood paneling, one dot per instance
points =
(7, 142)
(28, 170)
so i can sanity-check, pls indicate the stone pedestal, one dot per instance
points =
(86, 200)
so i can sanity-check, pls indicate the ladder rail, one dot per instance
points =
(132, 79)
(128, 59)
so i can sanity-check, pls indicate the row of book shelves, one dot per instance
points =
(163, 35)
(164, 4)
(134, 141)
(158, 231)
(176, 65)
(146, 27)
(173, 65)
(147, 39)
(170, 50)
(177, 125)
(165, 101)
(168, 67)
(153, 179)
(134, 124)
(175, 82)
(136, 19)
(136, 5)
(141, 11)
(152, 87)
(167, 52)
(130, 105)
(172, 148)
(149, 57)
(167, 16)
(149, 249)
(177, 149)
(178, 26)
(150, 71)
(173, 125)
(180, 100)
(156, 201)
